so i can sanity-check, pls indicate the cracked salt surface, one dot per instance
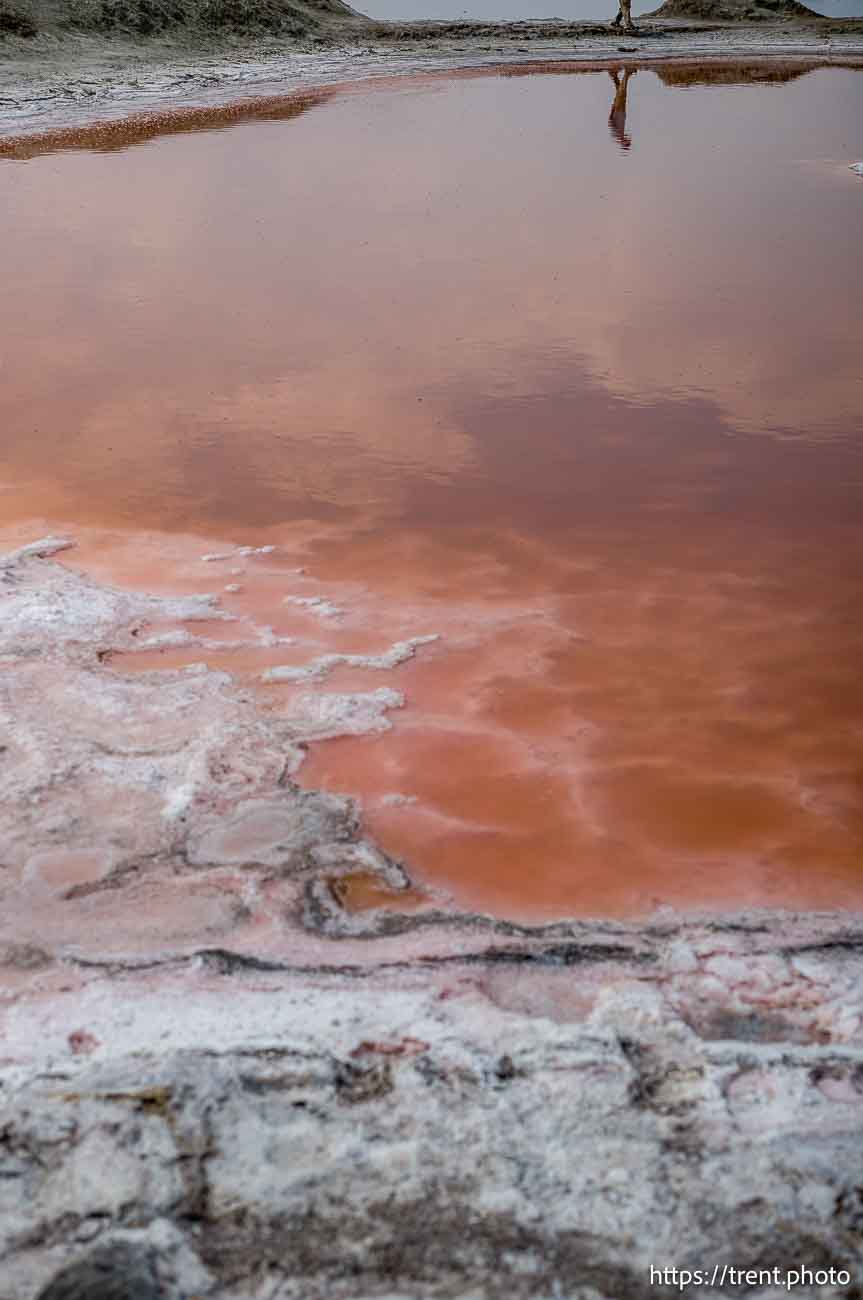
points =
(722, 1060)
(82, 613)
(175, 1010)
(133, 781)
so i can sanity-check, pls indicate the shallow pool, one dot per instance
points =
(563, 365)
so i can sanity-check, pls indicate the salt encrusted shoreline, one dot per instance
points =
(394, 1104)
(52, 85)
(478, 1131)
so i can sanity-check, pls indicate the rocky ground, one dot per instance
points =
(216, 1082)
(474, 1130)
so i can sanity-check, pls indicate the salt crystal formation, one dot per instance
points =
(324, 664)
(217, 1083)
(316, 605)
(137, 780)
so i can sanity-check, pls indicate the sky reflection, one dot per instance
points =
(572, 362)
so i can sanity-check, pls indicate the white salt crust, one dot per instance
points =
(397, 654)
(145, 771)
(316, 605)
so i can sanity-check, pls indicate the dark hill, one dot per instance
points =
(751, 11)
(150, 17)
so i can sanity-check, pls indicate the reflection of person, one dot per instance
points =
(617, 116)
(624, 15)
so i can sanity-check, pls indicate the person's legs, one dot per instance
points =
(617, 116)
(624, 15)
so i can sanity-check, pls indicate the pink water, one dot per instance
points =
(582, 395)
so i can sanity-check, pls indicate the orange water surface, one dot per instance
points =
(562, 365)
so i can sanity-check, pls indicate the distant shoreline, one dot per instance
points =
(53, 86)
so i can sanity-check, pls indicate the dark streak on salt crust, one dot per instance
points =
(115, 1272)
(845, 943)
(223, 961)
(641, 950)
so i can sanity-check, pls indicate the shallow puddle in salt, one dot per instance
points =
(519, 360)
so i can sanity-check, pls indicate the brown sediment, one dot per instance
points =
(140, 128)
(360, 890)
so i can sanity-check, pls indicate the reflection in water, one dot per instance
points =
(125, 133)
(121, 134)
(617, 116)
(685, 76)
(562, 407)
(732, 74)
